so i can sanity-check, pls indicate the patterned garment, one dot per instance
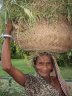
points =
(38, 86)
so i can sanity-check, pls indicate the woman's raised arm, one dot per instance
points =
(7, 66)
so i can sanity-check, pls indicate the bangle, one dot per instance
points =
(6, 36)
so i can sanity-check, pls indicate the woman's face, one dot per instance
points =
(44, 65)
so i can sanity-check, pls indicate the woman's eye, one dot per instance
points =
(48, 62)
(40, 62)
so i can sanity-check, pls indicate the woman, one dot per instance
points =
(47, 80)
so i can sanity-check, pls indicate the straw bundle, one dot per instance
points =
(41, 24)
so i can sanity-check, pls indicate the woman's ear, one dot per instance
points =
(53, 73)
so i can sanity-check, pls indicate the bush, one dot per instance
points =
(10, 88)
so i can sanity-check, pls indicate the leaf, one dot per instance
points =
(28, 12)
(13, 2)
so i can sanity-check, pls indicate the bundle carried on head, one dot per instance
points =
(54, 37)
(42, 25)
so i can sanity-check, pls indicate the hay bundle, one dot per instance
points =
(41, 24)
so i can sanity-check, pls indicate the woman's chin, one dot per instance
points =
(43, 74)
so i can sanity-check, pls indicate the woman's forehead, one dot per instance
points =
(43, 58)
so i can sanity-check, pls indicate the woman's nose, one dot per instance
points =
(45, 67)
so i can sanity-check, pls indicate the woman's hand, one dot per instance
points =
(9, 27)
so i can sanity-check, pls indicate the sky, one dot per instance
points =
(1, 1)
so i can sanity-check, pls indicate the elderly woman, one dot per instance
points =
(46, 82)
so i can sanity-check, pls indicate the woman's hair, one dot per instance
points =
(42, 54)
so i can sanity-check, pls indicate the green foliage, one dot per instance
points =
(2, 29)
(65, 59)
(69, 9)
(10, 88)
(17, 10)
(1, 41)
(30, 10)
(0, 47)
(17, 52)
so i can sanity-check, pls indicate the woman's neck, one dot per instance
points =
(48, 78)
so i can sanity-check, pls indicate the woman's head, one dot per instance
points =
(43, 63)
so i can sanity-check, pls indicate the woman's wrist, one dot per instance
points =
(7, 36)
(7, 32)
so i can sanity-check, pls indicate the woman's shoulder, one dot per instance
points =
(31, 81)
(31, 78)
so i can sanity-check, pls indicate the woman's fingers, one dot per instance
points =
(9, 27)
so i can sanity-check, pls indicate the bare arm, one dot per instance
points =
(6, 59)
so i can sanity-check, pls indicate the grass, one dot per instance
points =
(20, 64)
(66, 72)
(25, 66)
